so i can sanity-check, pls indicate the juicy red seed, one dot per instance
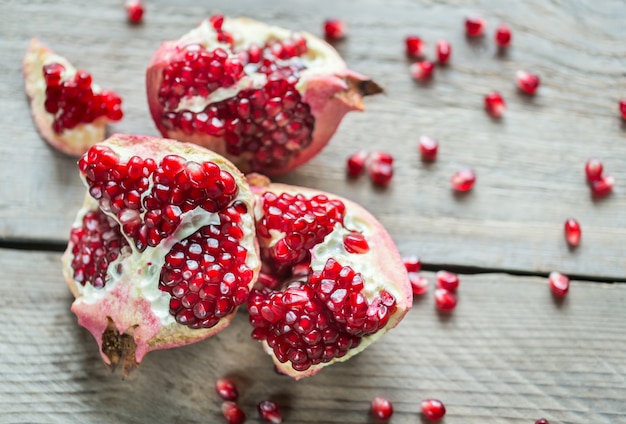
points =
(217, 21)
(226, 389)
(422, 70)
(445, 300)
(134, 10)
(527, 81)
(414, 46)
(542, 421)
(444, 50)
(494, 104)
(355, 242)
(232, 413)
(382, 157)
(356, 163)
(474, 26)
(334, 29)
(447, 280)
(270, 412)
(603, 186)
(622, 108)
(559, 283)
(503, 35)
(433, 409)
(412, 263)
(593, 170)
(52, 73)
(572, 232)
(428, 148)
(419, 283)
(463, 180)
(382, 408)
(380, 173)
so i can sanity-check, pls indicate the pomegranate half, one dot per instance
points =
(163, 251)
(267, 98)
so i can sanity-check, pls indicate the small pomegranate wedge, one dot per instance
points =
(163, 251)
(321, 300)
(267, 98)
(69, 110)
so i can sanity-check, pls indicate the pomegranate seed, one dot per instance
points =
(433, 409)
(226, 389)
(622, 108)
(356, 163)
(412, 263)
(414, 46)
(542, 421)
(559, 283)
(428, 148)
(419, 283)
(593, 170)
(445, 300)
(444, 50)
(494, 104)
(463, 180)
(382, 408)
(422, 70)
(355, 243)
(603, 187)
(503, 35)
(380, 173)
(572, 232)
(382, 157)
(232, 413)
(134, 10)
(474, 26)
(334, 29)
(447, 280)
(270, 412)
(527, 82)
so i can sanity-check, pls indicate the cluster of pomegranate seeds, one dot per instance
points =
(443, 50)
(503, 35)
(355, 165)
(382, 408)
(97, 243)
(422, 71)
(622, 108)
(414, 46)
(269, 412)
(445, 294)
(428, 148)
(379, 166)
(73, 102)
(334, 29)
(601, 185)
(527, 81)
(494, 104)
(317, 321)
(134, 11)
(572, 231)
(433, 409)
(559, 283)
(233, 413)
(463, 180)
(419, 283)
(226, 389)
(474, 26)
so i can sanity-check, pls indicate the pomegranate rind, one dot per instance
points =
(75, 141)
(134, 305)
(328, 86)
(383, 256)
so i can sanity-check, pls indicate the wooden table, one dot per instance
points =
(508, 353)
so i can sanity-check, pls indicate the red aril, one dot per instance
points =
(382, 408)
(542, 421)
(428, 148)
(503, 35)
(474, 26)
(414, 46)
(433, 409)
(419, 283)
(593, 170)
(603, 187)
(226, 389)
(572, 231)
(444, 50)
(269, 412)
(447, 280)
(622, 108)
(69, 110)
(494, 104)
(267, 98)
(463, 180)
(134, 11)
(445, 300)
(422, 70)
(559, 283)
(356, 163)
(380, 168)
(412, 263)
(233, 413)
(334, 29)
(527, 81)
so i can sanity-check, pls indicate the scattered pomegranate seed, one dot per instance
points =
(433, 409)
(622, 108)
(542, 421)
(382, 157)
(422, 70)
(270, 412)
(593, 169)
(356, 163)
(603, 187)
(382, 408)
(355, 242)
(226, 389)
(428, 148)
(445, 300)
(419, 283)
(414, 46)
(381, 173)
(503, 35)
(232, 413)
(463, 180)
(559, 283)
(572, 232)
(334, 29)
(474, 26)
(447, 280)
(412, 263)
(134, 10)
(527, 82)
(494, 104)
(444, 50)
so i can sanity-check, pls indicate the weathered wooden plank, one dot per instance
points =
(529, 165)
(507, 354)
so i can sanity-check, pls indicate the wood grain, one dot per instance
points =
(508, 354)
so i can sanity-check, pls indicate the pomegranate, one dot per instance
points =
(267, 98)
(69, 110)
(163, 251)
(324, 303)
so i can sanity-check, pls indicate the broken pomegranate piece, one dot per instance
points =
(267, 98)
